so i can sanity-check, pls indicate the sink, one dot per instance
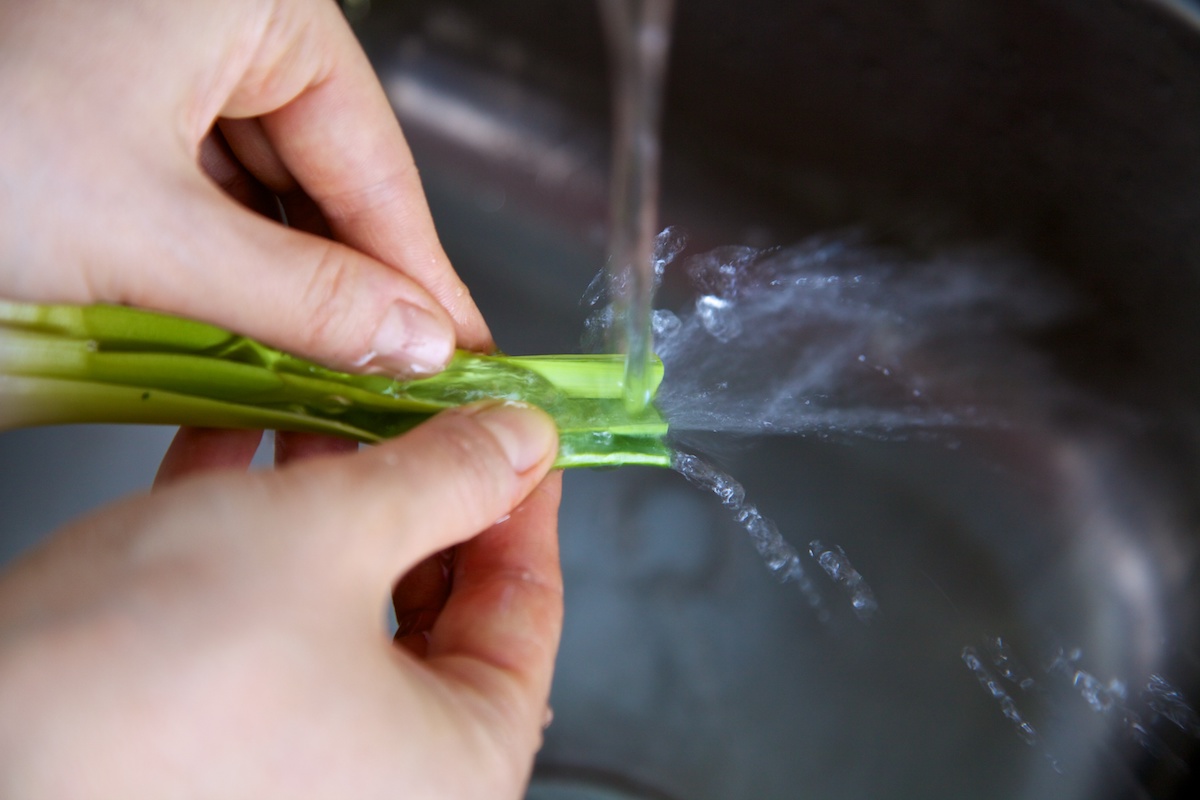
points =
(1036, 580)
(1036, 633)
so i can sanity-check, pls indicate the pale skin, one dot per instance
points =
(222, 636)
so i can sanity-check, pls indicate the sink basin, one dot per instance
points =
(1036, 580)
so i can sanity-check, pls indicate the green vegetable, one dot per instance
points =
(69, 364)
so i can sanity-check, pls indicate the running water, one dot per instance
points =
(993, 686)
(832, 336)
(639, 34)
(837, 566)
(781, 558)
(838, 337)
(1143, 717)
(639, 37)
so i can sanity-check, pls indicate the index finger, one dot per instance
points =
(339, 138)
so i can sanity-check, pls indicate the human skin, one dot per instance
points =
(107, 106)
(221, 637)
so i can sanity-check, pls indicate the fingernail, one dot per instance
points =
(410, 340)
(526, 434)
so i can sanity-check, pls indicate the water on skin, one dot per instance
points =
(638, 33)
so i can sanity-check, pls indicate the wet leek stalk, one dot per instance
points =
(106, 364)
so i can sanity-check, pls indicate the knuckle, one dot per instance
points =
(325, 300)
(389, 193)
(532, 582)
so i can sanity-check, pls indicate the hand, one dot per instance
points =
(110, 109)
(222, 637)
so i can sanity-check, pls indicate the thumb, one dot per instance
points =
(385, 509)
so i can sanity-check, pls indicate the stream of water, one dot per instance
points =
(639, 35)
(833, 337)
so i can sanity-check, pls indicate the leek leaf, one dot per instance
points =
(71, 364)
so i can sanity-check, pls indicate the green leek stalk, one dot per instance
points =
(112, 364)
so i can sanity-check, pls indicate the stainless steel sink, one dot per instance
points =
(1045, 568)
(1065, 130)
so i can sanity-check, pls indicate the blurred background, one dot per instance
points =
(1035, 575)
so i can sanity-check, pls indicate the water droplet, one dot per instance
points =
(667, 245)
(838, 567)
(720, 271)
(719, 317)
(780, 557)
(665, 324)
(1167, 702)
(992, 686)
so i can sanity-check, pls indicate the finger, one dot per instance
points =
(501, 625)
(303, 214)
(249, 145)
(297, 291)
(220, 164)
(201, 449)
(419, 597)
(382, 511)
(247, 142)
(340, 304)
(291, 446)
(339, 138)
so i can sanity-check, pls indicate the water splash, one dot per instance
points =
(993, 686)
(719, 317)
(599, 297)
(838, 567)
(1102, 697)
(1064, 678)
(781, 558)
(1167, 702)
(1007, 664)
(839, 337)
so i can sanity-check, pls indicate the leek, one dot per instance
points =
(106, 364)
